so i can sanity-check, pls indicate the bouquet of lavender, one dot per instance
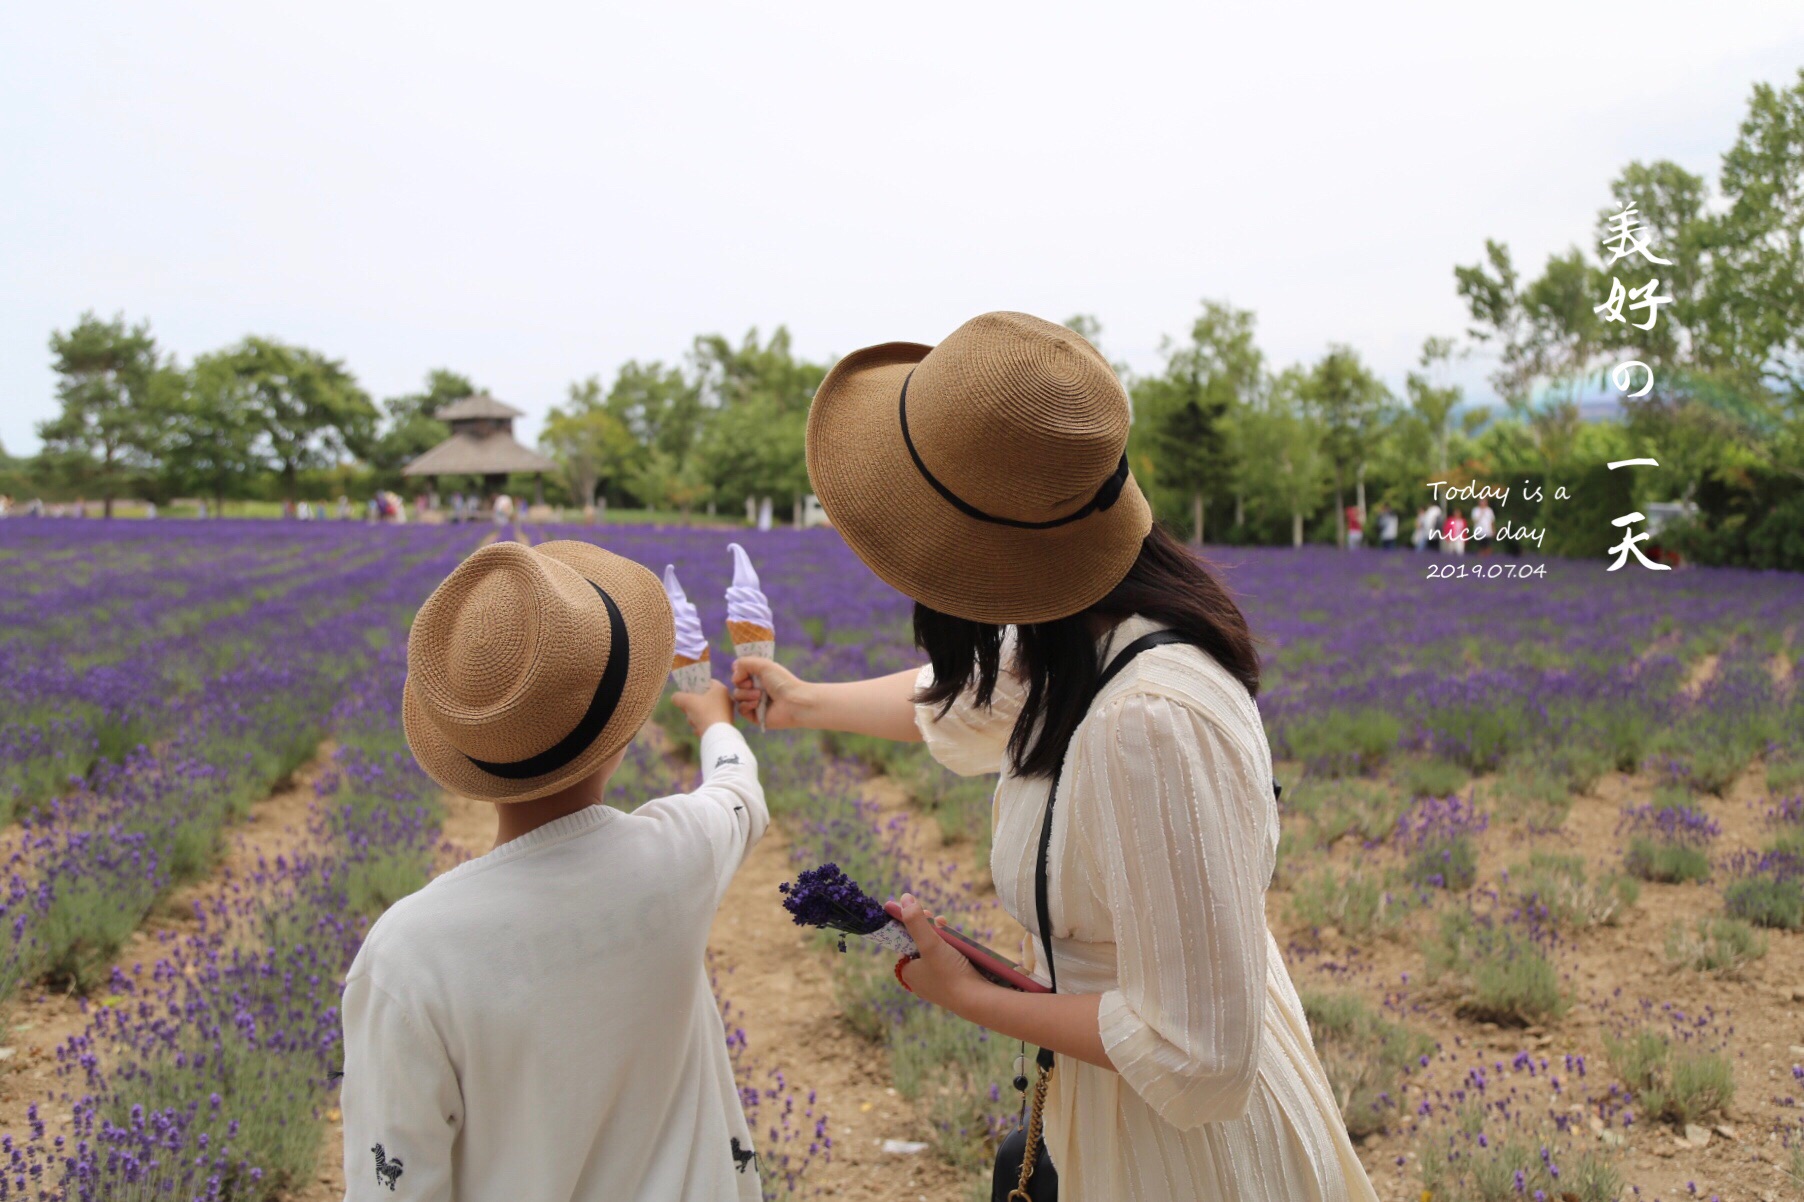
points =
(827, 899)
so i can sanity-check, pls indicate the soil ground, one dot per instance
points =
(779, 984)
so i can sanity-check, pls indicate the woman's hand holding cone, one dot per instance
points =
(787, 696)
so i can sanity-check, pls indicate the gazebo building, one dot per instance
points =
(481, 444)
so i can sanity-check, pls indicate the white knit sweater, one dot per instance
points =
(537, 1023)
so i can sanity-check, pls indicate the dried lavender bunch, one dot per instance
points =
(828, 899)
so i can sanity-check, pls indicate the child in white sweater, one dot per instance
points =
(537, 1023)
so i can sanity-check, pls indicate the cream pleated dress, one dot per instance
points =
(1163, 841)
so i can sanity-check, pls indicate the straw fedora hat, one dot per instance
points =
(530, 666)
(987, 476)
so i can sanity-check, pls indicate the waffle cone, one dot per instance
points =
(744, 633)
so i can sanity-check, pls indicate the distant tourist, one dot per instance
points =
(1453, 534)
(504, 509)
(1355, 528)
(1428, 525)
(1484, 523)
(1387, 527)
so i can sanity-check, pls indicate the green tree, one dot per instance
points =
(757, 396)
(1431, 406)
(590, 442)
(756, 449)
(1492, 291)
(1351, 405)
(106, 433)
(662, 481)
(659, 404)
(1183, 412)
(1753, 294)
(211, 445)
(1283, 468)
(305, 409)
(731, 375)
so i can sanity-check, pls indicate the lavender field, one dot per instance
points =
(1541, 882)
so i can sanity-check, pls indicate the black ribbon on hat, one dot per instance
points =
(601, 709)
(1105, 495)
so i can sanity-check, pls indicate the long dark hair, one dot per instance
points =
(1168, 583)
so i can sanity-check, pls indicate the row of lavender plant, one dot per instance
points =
(1582, 669)
(88, 865)
(109, 632)
(205, 1076)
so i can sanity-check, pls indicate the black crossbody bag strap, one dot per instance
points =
(1042, 902)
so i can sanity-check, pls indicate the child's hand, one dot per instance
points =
(705, 709)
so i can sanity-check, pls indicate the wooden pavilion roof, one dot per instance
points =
(465, 454)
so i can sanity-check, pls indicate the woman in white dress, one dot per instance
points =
(987, 479)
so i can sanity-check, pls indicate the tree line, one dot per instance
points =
(1227, 445)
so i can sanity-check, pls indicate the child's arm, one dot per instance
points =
(727, 812)
(401, 1102)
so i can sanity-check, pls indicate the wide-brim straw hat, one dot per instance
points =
(529, 667)
(987, 476)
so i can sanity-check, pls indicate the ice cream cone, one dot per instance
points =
(689, 667)
(749, 622)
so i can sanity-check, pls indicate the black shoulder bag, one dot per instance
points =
(1024, 1171)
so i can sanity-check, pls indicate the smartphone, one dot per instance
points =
(994, 966)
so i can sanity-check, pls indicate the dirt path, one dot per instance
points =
(781, 984)
(39, 1021)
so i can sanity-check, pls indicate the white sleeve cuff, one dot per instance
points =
(722, 746)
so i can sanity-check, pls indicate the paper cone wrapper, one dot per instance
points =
(693, 677)
(894, 936)
(763, 649)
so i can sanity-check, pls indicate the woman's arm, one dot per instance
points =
(1065, 1022)
(1171, 811)
(883, 706)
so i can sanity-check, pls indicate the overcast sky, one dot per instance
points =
(531, 193)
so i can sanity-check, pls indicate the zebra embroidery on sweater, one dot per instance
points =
(386, 1170)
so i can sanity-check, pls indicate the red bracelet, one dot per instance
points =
(900, 961)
